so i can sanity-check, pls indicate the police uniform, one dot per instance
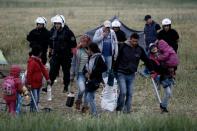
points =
(62, 42)
(41, 38)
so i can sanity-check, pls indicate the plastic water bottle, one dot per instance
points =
(49, 94)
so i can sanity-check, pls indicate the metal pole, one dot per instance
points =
(34, 101)
(156, 91)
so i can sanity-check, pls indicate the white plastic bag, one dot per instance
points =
(109, 97)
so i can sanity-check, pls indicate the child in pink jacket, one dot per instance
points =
(15, 86)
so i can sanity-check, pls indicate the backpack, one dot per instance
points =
(8, 86)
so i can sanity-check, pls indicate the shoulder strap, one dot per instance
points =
(96, 59)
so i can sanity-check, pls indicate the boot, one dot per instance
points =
(84, 109)
(78, 104)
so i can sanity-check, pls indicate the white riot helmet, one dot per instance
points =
(52, 19)
(57, 19)
(166, 21)
(41, 20)
(63, 18)
(116, 23)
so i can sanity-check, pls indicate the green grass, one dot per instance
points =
(95, 3)
(121, 122)
(17, 19)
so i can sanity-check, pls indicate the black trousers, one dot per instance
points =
(44, 57)
(55, 63)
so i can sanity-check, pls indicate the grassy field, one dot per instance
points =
(71, 122)
(17, 19)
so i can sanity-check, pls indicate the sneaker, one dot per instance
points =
(163, 109)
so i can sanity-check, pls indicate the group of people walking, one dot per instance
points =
(93, 60)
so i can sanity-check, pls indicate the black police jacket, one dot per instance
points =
(39, 37)
(62, 41)
(171, 37)
(121, 36)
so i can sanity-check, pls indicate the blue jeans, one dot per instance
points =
(167, 95)
(36, 94)
(19, 103)
(81, 87)
(108, 62)
(92, 102)
(167, 82)
(126, 90)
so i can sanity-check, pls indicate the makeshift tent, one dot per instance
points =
(3, 61)
(124, 28)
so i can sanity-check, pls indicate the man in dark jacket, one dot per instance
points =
(168, 34)
(129, 57)
(40, 36)
(63, 40)
(150, 30)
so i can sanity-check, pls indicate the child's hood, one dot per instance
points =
(15, 71)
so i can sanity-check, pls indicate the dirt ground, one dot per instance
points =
(58, 103)
(144, 100)
(59, 98)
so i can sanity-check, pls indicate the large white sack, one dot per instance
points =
(109, 97)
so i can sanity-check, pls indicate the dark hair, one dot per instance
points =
(147, 17)
(94, 48)
(135, 36)
(35, 51)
